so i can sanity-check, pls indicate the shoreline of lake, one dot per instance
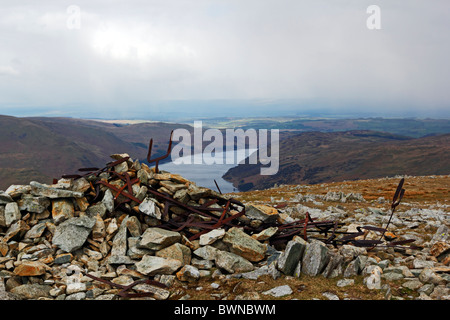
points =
(204, 174)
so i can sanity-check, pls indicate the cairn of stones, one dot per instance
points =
(61, 241)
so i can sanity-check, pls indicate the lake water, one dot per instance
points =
(204, 174)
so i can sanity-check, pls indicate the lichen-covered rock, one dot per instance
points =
(188, 273)
(244, 245)
(291, 256)
(151, 265)
(315, 258)
(261, 212)
(211, 237)
(157, 238)
(72, 234)
(232, 263)
(176, 251)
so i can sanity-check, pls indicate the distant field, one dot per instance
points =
(415, 128)
(124, 121)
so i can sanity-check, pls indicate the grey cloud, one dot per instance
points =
(136, 52)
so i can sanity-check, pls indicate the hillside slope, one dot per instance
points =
(316, 157)
(36, 150)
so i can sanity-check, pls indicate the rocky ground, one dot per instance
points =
(69, 241)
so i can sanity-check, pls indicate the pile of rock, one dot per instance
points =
(53, 236)
(55, 240)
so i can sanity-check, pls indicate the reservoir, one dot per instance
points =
(204, 174)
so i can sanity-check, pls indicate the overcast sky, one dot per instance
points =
(117, 55)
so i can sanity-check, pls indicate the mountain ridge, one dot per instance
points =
(316, 157)
(41, 148)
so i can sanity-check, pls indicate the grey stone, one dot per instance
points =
(16, 230)
(141, 193)
(109, 296)
(421, 264)
(12, 213)
(423, 296)
(334, 264)
(120, 260)
(134, 252)
(108, 200)
(4, 295)
(188, 273)
(36, 231)
(151, 265)
(412, 284)
(352, 269)
(2, 216)
(298, 270)
(349, 252)
(75, 287)
(158, 293)
(272, 254)
(172, 186)
(33, 204)
(71, 234)
(315, 258)
(143, 176)
(176, 251)
(44, 190)
(15, 190)
(330, 296)
(426, 288)
(206, 252)
(279, 291)
(157, 238)
(440, 292)
(404, 270)
(195, 192)
(62, 209)
(80, 185)
(392, 276)
(290, 257)
(149, 207)
(384, 264)
(202, 264)
(356, 266)
(167, 279)
(441, 234)
(265, 234)
(345, 282)
(134, 226)
(373, 281)
(32, 291)
(5, 198)
(211, 236)
(119, 247)
(429, 276)
(255, 212)
(97, 209)
(262, 271)
(76, 296)
(182, 196)
(244, 245)
(232, 263)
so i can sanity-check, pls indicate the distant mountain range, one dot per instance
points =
(43, 148)
(317, 157)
